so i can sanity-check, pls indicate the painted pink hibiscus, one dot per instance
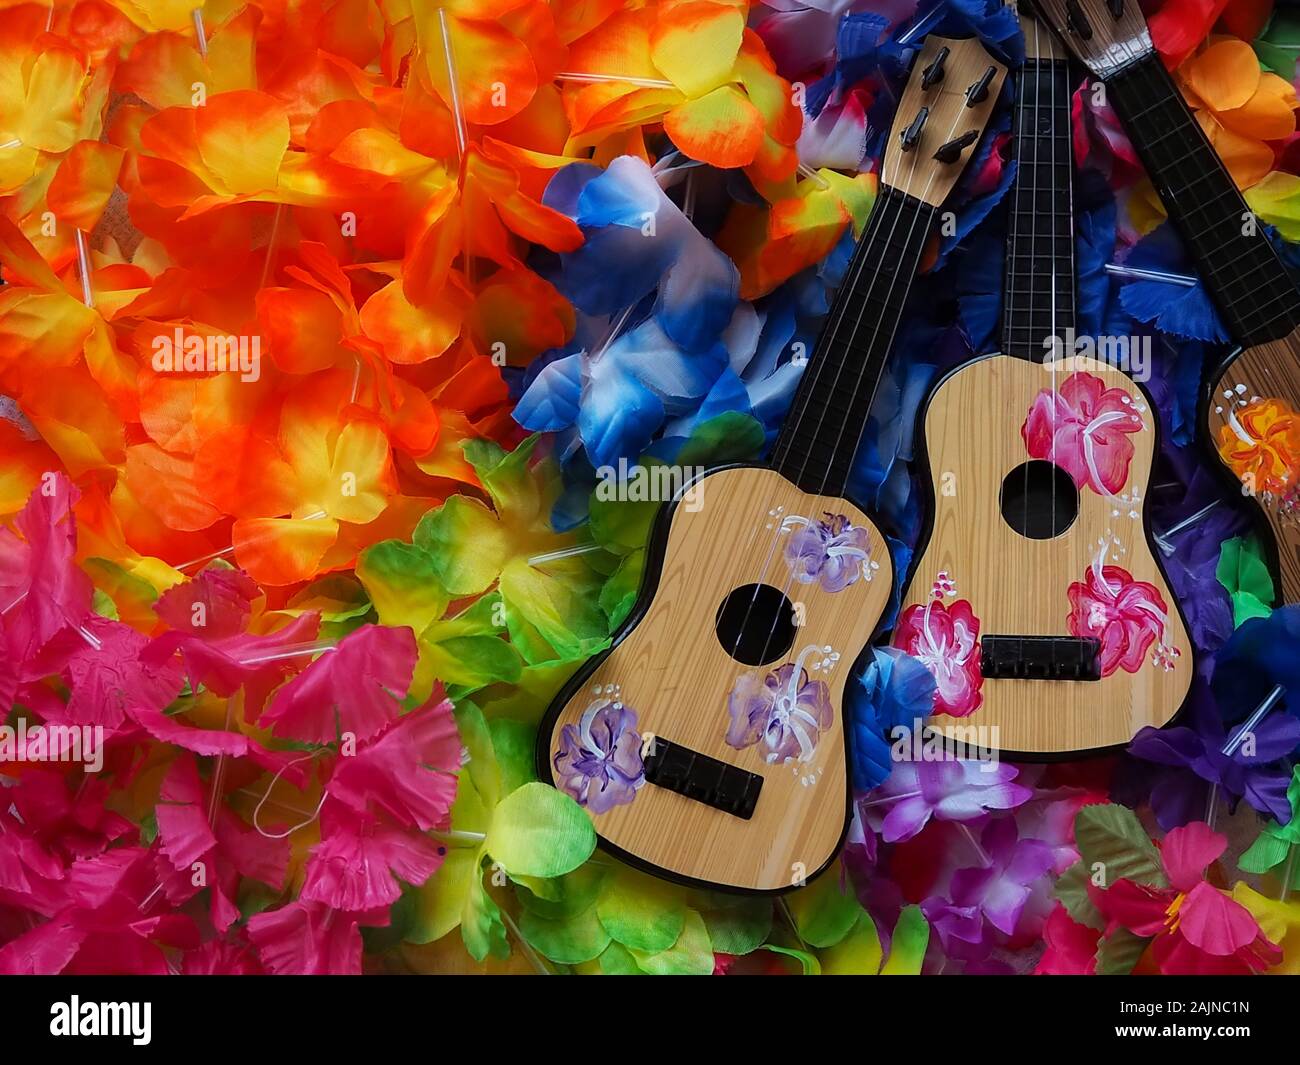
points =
(1084, 428)
(946, 641)
(1125, 615)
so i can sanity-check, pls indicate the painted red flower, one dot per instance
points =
(1125, 615)
(1084, 428)
(946, 640)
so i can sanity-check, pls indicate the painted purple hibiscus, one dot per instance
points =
(599, 761)
(784, 712)
(833, 552)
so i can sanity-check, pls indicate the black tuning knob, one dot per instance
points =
(909, 137)
(979, 92)
(933, 74)
(951, 152)
(1077, 21)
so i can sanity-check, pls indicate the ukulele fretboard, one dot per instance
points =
(1038, 290)
(1255, 295)
(817, 443)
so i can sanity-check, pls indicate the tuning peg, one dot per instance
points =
(933, 74)
(1077, 21)
(951, 152)
(912, 134)
(979, 92)
(1116, 8)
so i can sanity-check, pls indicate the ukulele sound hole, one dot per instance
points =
(1039, 500)
(755, 624)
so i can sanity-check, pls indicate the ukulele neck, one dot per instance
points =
(827, 417)
(1038, 288)
(1254, 294)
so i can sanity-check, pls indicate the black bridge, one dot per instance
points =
(1040, 657)
(704, 779)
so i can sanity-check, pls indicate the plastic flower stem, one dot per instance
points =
(1119, 270)
(315, 515)
(86, 634)
(200, 33)
(462, 138)
(455, 835)
(920, 26)
(1236, 740)
(887, 798)
(292, 651)
(271, 243)
(1162, 539)
(83, 268)
(596, 79)
(533, 957)
(1286, 873)
(813, 176)
(784, 907)
(564, 552)
(970, 838)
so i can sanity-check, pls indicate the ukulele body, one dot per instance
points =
(668, 702)
(1252, 417)
(979, 581)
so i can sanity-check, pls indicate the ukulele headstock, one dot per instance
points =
(1106, 35)
(942, 114)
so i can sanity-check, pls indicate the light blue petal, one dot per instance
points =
(551, 401)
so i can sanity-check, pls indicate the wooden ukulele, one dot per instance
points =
(1251, 407)
(708, 745)
(1038, 602)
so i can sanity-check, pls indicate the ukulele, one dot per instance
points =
(1038, 603)
(708, 744)
(1250, 410)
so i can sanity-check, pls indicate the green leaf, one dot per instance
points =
(565, 613)
(1264, 854)
(1243, 572)
(482, 766)
(1118, 952)
(738, 925)
(102, 604)
(467, 545)
(811, 966)
(403, 584)
(618, 961)
(621, 525)
(569, 941)
(442, 900)
(640, 912)
(729, 437)
(514, 743)
(619, 594)
(1279, 44)
(481, 926)
(824, 912)
(1072, 892)
(1111, 835)
(908, 945)
(538, 831)
(858, 954)
(574, 892)
(691, 955)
